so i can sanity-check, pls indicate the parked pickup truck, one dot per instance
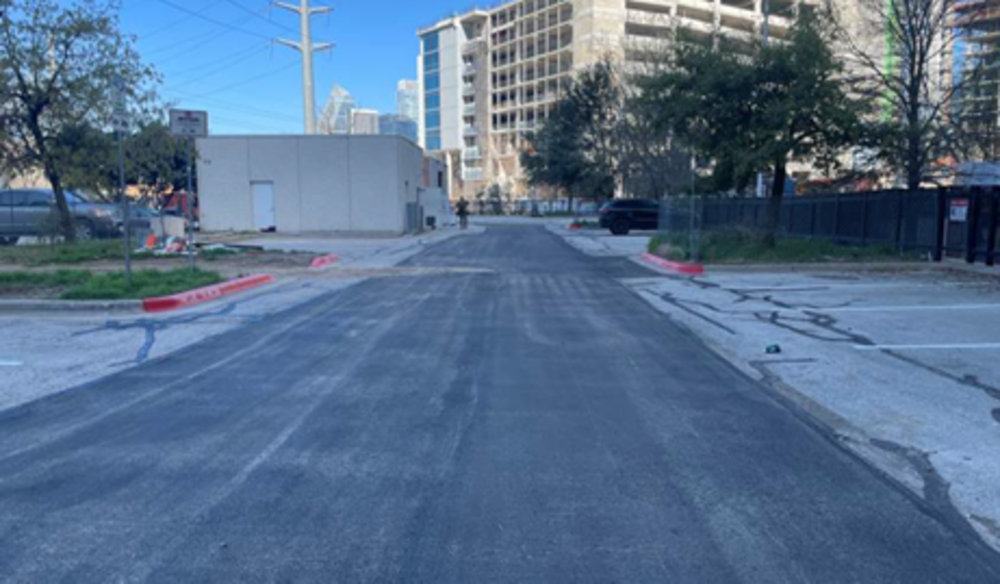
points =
(28, 212)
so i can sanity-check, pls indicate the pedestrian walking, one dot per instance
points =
(463, 213)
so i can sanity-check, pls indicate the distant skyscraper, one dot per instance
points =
(398, 125)
(338, 113)
(364, 121)
(408, 99)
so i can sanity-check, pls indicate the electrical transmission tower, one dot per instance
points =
(307, 48)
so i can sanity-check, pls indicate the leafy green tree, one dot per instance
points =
(577, 148)
(59, 63)
(759, 109)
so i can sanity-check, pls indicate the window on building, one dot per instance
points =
(433, 140)
(432, 62)
(432, 101)
(433, 120)
(432, 82)
(431, 43)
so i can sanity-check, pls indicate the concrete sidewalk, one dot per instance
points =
(903, 364)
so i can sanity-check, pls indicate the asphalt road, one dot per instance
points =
(523, 419)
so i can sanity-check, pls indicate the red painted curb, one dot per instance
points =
(575, 227)
(324, 261)
(679, 267)
(206, 294)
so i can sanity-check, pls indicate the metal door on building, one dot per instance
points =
(263, 206)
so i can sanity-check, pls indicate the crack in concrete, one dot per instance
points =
(151, 326)
(831, 324)
(937, 491)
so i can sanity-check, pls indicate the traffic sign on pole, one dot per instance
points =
(189, 123)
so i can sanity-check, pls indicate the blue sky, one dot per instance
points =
(223, 60)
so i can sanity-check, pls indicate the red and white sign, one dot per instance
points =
(958, 210)
(188, 123)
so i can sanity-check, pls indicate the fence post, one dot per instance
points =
(836, 219)
(991, 236)
(864, 219)
(812, 219)
(972, 228)
(900, 213)
(941, 215)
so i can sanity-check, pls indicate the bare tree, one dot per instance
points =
(652, 162)
(901, 55)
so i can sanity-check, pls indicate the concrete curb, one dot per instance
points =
(324, 262)
(17, 306)
(678, 267)
(207, 294)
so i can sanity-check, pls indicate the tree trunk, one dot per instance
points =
(774, 204)
(66, 225)
(914, 164)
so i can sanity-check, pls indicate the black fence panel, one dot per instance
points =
(961, 223)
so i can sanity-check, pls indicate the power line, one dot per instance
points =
(213, 20)
(194, 43)
(227, 64)
(246, 81)
(244, 108)
(260, 17)
(235, 55)
(169, 27)
(258, 125)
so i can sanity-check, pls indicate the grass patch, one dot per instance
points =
(744, 247)
(94, 251)
(146, 284)
(60, 279)
(62, 253)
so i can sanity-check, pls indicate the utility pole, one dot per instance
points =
(306, 47)
(765, 30)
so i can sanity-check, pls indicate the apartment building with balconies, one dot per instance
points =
(489, 78)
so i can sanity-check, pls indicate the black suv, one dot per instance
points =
(24, 212)
(624, 215)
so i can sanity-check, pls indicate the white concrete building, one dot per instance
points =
(301, 184)
(364, 122)
(489, 77)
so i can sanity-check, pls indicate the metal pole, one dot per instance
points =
(766, 34)
(306, 47)
(189, 200)
(308, 81)
(126, 211)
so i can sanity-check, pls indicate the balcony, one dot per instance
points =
(472, 174)
(469, 69)
(468, 89)
(469, 110)
(473, 47)
(472, 154)
(470, 131)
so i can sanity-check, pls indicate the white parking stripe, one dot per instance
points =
(955, 346)
(10, 363)
(915, 308)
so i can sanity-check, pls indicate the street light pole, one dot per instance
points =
(189, 203)
(126, 211)
(765, 30)
(306, 47)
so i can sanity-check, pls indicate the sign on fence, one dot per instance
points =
(958, 211)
